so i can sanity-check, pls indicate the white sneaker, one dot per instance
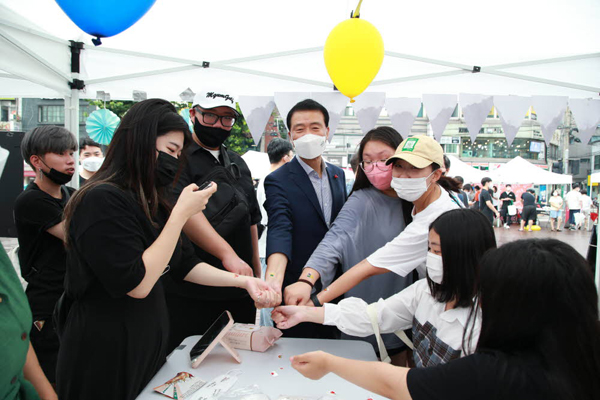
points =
(506, 226)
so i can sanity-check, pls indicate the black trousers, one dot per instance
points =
(189, 317)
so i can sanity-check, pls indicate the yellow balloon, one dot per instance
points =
(353, 55)
(536, 228)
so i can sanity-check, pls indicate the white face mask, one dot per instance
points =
(310, 146)
(435, 267)
(410, 189)
(92, 164)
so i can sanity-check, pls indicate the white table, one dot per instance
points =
(257, 368)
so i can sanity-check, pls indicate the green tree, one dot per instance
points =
(118, 107)
(240, 139)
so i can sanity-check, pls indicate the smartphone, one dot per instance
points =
(205, 185)
(213, 335)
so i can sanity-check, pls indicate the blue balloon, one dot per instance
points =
(105, 18)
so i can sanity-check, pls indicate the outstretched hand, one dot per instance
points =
(288, 316)
(262, 294)
(312, 365)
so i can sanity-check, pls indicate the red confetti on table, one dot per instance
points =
(332, 392)
(280, 356)
(273, 373)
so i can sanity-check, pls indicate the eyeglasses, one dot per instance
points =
(211, 119)
(368, 166)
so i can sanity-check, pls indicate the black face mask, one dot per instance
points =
(166, 169)
(60, 178)
(210, 136)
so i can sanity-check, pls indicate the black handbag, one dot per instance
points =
(228, 208)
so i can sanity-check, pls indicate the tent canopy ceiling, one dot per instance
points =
(433, 53)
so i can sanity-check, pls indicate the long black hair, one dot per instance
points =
(538, 301)
(131, 158)
(465, 235)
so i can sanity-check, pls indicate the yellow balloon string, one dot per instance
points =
(356, 13)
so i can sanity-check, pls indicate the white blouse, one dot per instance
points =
(437, 334)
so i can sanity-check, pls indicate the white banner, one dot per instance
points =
(550, 111)
(402, 112)
(257, 110)
(475, 108)
(335, 103)
(368, 107)
(286, 100)
(512, 111)
(439, 108)
(587, 117)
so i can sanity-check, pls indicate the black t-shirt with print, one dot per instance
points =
(480, 376)
(42, 256)
(506, 195)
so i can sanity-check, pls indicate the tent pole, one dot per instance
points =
(31, 54)
(142, 74)
(544, 61)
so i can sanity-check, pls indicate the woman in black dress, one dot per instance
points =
(122, 236)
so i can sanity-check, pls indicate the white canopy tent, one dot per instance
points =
(462, 169)
(520, 171)
(271, 46)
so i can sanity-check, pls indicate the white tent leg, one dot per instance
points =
(597, 276)
(72, 124)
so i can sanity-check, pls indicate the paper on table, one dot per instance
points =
(183, 386)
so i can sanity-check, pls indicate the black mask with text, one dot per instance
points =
(210, 136)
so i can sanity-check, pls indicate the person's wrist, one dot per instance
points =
(306, 281)
(315, 299)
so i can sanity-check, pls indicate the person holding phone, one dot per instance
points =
(122, 237)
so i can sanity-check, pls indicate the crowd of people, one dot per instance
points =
(167, 231)
(501, 208)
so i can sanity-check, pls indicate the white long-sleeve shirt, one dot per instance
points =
(437, 333)
(408, 250)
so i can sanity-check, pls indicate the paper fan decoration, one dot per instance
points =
(101, 125)
(185, 114)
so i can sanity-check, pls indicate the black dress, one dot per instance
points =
(113, 344)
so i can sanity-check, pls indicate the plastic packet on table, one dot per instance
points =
(326, 397)
(253, 392)
(252, 337)
(185, 386)
(182, 386)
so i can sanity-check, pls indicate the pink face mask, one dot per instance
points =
(380, 179)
